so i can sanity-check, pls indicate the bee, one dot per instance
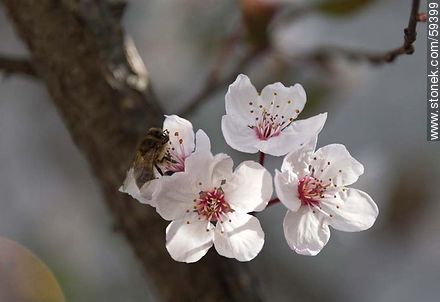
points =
(151, 150)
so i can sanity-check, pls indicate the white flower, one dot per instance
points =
(208, 204)
(312, 185)
(265, 122)
(180, 146)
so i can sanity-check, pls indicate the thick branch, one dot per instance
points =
(101, 89)
(9, 65)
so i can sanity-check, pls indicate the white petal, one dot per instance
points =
(343, 169)
(250, 188)
(294, 137)
(358, 212)
(239, 95)
(203, 143)
(305, 231)
(299, 160)
(149, 190)
(201, 155)
(286, 187)
(180, 129)
(287, 101)
(242, 237)
(238, 135)
(187, 240)
(207, 170)
(129, 186)
(176, 195)
(221, 168)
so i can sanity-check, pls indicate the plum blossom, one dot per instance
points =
(312, 185)
(266, 122)
(209, 205)
(182, 143)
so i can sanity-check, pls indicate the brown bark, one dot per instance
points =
(102, 92)
(10, 65)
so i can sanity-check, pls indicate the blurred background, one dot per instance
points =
(50, 203)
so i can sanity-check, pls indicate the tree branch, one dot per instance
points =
(214, 81)
(101, 88)
(407, 48)
(320, 56)
(10, 65)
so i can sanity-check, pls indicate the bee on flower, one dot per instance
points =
(181, 143)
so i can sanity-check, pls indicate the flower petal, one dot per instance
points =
(239, 96)
(250, 188)
(187, 240)
(176, 195)
(149, 190)
(181, 133)
(298, 161)
(294, 137)
(305, 231)
(201, 155)
(357, 213)
(286, 187)
(242, 237)
(129, 186)
(335, 164)
(221, 168)
(288, 101)
(208, 171)
(238, 135)
(203, 143)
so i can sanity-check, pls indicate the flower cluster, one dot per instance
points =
(209, 203)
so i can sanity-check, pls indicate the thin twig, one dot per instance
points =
(9, 65)
(261, 159)
(211, 86)
(227, 48)
(407, 48)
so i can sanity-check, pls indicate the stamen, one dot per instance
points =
(269, 123)
(212, 205)
(311, 190)
(174, 159)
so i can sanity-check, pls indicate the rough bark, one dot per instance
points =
(102, 92)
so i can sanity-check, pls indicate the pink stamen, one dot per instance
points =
(311, 190)
(211, 205)
(267, 127)
(175, 159)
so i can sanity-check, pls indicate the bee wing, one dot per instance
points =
(143, 168)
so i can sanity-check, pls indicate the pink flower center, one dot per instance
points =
(270, 120)
(212, 205)
(311, 190)
(267, 127)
